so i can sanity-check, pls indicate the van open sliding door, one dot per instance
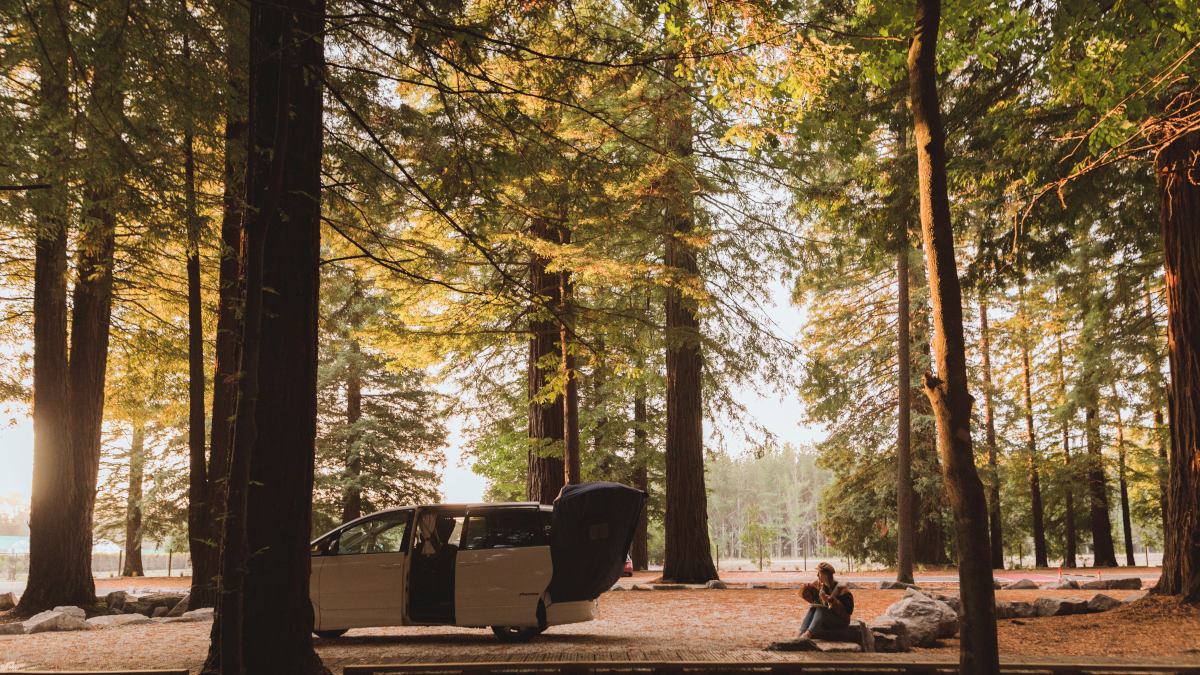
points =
(503, 566)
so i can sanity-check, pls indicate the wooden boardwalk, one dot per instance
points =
(750, 661)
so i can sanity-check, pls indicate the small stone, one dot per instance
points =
(7, 601)
(1022, 585)
(202, 614)
(12, 629)
(716, 584)
(1008, 609)
(669, 587)
(160, 611)
(1134, 597)
(642, 587)
(1102, 603)
(616, 587)
(72, 610)
(759, 586)
(1064, 585)
(896, 585)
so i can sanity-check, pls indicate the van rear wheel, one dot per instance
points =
(330, 634)
(515, 633)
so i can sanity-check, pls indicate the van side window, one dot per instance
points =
(507, 528)
(378, 535)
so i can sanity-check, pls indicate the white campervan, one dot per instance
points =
(516, 567)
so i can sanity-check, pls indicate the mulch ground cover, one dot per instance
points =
(692, 624)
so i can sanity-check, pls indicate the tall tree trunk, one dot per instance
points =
(133, 503)
(979, 651)
(989, 422)
(1160, 431)
(59, 568)
(566, 293)
(905, 512)
(1068, 489)
(1035, 487)
(1126, 523)
(206, 556)
(90, 318)
(640, 552)
(1102, 542)
(688, 555)
(1179, 207)
(265, 614)
(199, 509)
(546, 472)
(352, 493)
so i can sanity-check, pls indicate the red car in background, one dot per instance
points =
(627, 571)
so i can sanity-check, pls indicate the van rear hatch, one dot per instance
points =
(590, 534)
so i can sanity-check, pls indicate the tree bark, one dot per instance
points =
(1035, 487)
(1104, 554)
(90, 319)
(1179, 208)
(59, 568)
(199, 509)
(205, 555)
(133, 503)
(1069, 489)
(266, 619)
(1122, 483)
(546, 469)
(979, 651)
(905, 513)
(688, 555)
(640, 552)
(566, 294)
(352, 493)
(989, 422)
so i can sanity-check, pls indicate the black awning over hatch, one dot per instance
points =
(590, 535)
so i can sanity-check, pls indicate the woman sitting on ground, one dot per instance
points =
(832, 605)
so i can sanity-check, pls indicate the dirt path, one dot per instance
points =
(636, 624)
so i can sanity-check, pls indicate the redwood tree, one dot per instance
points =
(979, 651)
(1178, 169)
(265, 619)
(989, 424)
(545, 475)
(688, 557)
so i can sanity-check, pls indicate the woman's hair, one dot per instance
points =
(826, 568)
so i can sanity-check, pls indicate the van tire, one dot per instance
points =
(330, 634)
(515, 634)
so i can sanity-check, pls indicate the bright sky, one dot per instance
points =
(782, 417)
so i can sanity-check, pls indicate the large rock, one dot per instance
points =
(1064, 585)
(928, 619)
(952, 600)
(1059, 606)
(1014, 609)
(1102, 603)
(1022, 585)
(72, 610)
(116, 600)
(51, 620)
(111, 620)
(148, 604)
(895, 585)
(890, 635)
(12, 629)
(1134, 597)
(716, 584)
(7, 601)
(181, 606)
(1122, 584)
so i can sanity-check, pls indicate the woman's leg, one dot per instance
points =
(808, 619)
(826, 624)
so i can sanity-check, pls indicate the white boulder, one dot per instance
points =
(112, 620)
(51, 620)
(928, 619)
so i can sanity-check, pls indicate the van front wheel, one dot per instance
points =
(515, 633)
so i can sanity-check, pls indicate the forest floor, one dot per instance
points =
(649, 625)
